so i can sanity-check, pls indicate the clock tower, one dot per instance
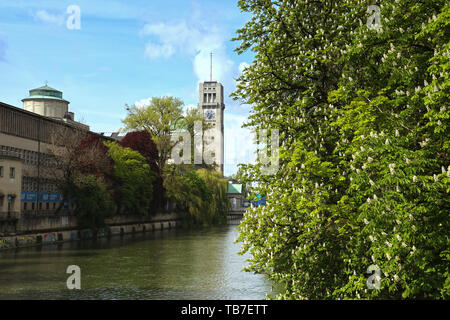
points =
(211, 103)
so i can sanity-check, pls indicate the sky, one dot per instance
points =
(125, 52)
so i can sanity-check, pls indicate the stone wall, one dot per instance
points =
(33, 231)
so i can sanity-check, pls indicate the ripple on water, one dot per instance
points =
(162, 265)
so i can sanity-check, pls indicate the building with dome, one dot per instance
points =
(48, 102)
(25, 141)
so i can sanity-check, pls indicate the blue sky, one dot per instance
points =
(124, 52)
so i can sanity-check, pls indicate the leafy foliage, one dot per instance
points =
(364, 157)
(141, 141)
(134, 180)
(201, 192)
(92, 200)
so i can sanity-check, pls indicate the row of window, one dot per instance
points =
(30, 157)
(32, 206)
(209, 97)
(30, 184)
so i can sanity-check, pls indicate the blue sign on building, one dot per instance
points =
(43, 197)
(28, 197)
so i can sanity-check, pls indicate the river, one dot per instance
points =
(169, 264)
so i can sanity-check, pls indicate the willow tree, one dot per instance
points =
(217, 210)
(319, 77)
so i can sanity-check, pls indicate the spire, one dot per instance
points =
(210, 74)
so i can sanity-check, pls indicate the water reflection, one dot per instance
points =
(169, 264)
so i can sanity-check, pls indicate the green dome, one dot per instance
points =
(45, 92)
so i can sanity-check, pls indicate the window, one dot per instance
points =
(1, 172)
(25, 206)
(12, 173)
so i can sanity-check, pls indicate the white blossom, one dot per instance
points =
(392, 168)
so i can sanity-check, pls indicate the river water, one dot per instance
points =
(169, 264)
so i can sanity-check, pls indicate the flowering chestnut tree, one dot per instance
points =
(364, 172)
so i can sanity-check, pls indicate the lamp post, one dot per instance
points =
(9, 205)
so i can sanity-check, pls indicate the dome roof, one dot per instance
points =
(45, 92)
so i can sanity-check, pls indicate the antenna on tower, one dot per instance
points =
(210, 74)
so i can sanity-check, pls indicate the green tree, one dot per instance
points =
(189, 190)
(362, 115)
(92, 201)
(393, 118)
(160, 118)
(134, 179)
(218, 208)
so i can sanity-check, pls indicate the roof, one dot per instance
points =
(45, 92)
(43, 118)
(45, 88)
(234, 188)
(31, 97)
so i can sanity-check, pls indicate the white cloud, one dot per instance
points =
(190, 106)
(193, 38)
(49, 18)
(143, 102)
(155, 51)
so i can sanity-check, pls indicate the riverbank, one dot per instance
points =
(51, 230)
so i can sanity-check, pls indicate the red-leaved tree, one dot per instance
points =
(143, 143)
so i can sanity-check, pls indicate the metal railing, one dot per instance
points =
(8, 153)
(44, 213)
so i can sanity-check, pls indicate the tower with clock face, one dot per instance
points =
(211, 103)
